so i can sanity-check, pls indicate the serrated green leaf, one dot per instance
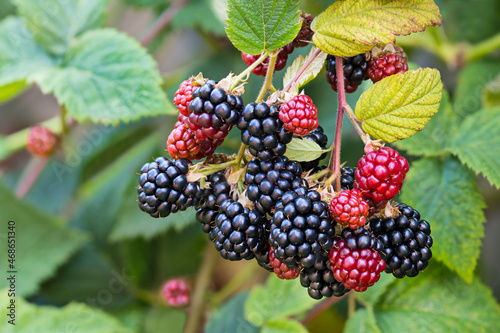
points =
(470, 82)
(254, 26)
(12, 90)
(351, 27)
(374, 293)
(57, 23)
(434, 139)
(310, 73)
(277, 299)
(445, 194)
(283, 325)
(400, 105)
(363, 321)
(478, 144)
(230, 316)
(106, 77)
(75, 317)
(159, 319)
(20, 56)
(491, 93)
(304, 150)
(437, 301)
(33, 231)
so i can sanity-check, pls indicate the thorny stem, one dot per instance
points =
(30, 176)
(334, 164)
(201, 286)
(320, 308)
(351, 304)
(249, 69)
(162, 22)
(303, 69)
(269, 77)
(241, 153)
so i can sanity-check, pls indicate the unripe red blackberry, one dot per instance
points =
(262, 68)
(349, 209)
(319, 280)
(184, 95)
(176, 293)
(280, 268)
(386, 62)
(354, 259)
(262, 131)
(354, 72)
(299, 115)
(268, 181)
(380, 174)
(163, 187)
(406, 242)
(301, 228)
(41, 141)
(182, 143)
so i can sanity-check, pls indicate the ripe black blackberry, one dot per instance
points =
(164, 188)
(354, 71)
(268, 181)
(347, 178)
(406, 242)
(238, 231)
(319, 280)
(321, 139)
(301, 228)
(262, 131)
(262, 256)
(213, 112)
(211, 199)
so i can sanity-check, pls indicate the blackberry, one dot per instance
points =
(319, 280)
(213, 112)
(41, 141)
(321, 139)
(238, 231)
(164, 188)
(354, 71)
(355, 260)
(211, 199)
(406, 242)
(262, 68)
(262, 131)
(176, 293)
(268, 181)
(299, 115)
(347, 178)
(349, 209)
(301, 228)
(280, 269)
(262, 256)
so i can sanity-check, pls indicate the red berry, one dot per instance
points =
(261, 69)
(354, 259)
(380, 174)
(184, 95)
(299, 115)
(349, 209)
(305, 34)
(41, 141)
(176, 292)
(280, 268)
(388, 65)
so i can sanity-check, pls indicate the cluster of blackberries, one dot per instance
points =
(354, 72)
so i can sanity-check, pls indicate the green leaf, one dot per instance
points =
(310, 73)
(33, 232)
(254, 26)
(445, 194)
(283, 325)
(230, 316)
(400, 105)
(12, 90)
(277, 299)
(106, 77)
(162, 319)
(491, 93)
(363, 321)
(6, 8)
(75, 317)
(435, 138)
(20, 56)
(478, 144)
(374, 293)
(198, 13)
(437, 301)
(304, 150)
(470, 82)
(351, 27)
(57, 23)
(145, 3)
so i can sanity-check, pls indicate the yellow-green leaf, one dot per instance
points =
(310, 73)
(304, 150)
(351, 27)
(400, 105)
